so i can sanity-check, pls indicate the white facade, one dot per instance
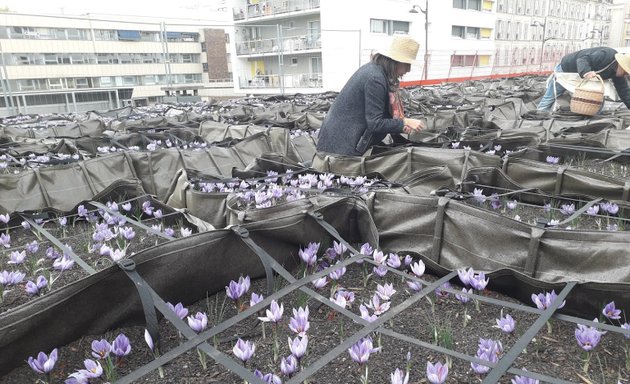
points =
(73, 64)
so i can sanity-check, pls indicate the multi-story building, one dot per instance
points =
(79, 63)
(315, 45)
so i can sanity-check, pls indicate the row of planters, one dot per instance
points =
(48, 250)
(353, 312)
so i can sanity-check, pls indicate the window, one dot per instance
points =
(81, 82)
(55, 83)
(187, 58)
(389, 27)
(106, 81)
(77, 34)
(294, 61)
(129, 80)
(50, 58)
(149, 80)
(463, 32)
(205, 67)
(469, 60)
(467, 4)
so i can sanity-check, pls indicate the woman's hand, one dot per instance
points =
(590, 74)
(413, 125)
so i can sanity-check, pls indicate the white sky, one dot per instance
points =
(194, 9)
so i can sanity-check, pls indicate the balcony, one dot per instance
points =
(299, 80)
(294, 44)
(256, 8)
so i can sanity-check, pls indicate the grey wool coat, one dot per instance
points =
(360, 116)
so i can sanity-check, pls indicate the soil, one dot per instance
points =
(556, 354)
(76, 234)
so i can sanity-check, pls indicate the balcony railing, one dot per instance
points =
(299, 80)
(272, 7)
(289, 45)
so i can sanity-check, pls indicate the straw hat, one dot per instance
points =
(403, 49)
(624, 61)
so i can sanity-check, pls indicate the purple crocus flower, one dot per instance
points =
(268, 378)
(82, 211)
(298, 346)
(380, 271)
(101, 349)
(299, 322)
(274, 313)
(495, 203)
(567, 209)
(121, 346)
(386, 291)
(553, 159)
(337, 273)
(127, 233)
(611, 312)
(157, 214)
(4, 218)
(511, 204)
(365, 314)
(609, 207)
(544, 300)
(147, 208)
(506, 324)
(320, 283)
(626, 326)
(378, 307)
(126, 207)
(237, 289)
(340, 300)
(441, 290)
(34, 288)
(339, 248)
(5, 240)
(399, 377)
(116, 254)
(63, 263)
(93, 369)
(44, 363)
(198, 322)
(393, 260)
(26, 225)
(593, 210)
(437, 374)
(407, 260)
(478, 195)
(366, 249)
(16, 257)
(255, 299)
(309, 254)
(179, 310)
(479, 281)
(418, 268)
(587, 337)
(524, 380)
(288, 365)
(11, 278)
(415, 286)
(32, 247)
(464, 298)
(379, 257)
(466, 275)
(361, 350)
(168, 231)
(244, 350)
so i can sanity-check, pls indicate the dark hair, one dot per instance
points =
(389, 66)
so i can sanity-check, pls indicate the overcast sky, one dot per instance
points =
(194, 9)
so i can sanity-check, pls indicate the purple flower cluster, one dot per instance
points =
(468, 277)
(488, 350)
(544, 300)
(588, 337)
(361, 350)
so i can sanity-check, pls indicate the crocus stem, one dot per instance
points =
(263, 330)
(465, 316)
(586, 362)
(161, 372)
(276, 347)
(549, 327)
(341, 334)
(202, 358)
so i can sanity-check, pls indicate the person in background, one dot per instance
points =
(369, 106)
(588, 63)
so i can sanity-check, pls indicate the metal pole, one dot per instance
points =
(426, 39)
(280, 58)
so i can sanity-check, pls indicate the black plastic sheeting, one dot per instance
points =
(480, 134)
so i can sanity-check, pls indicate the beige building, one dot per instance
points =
(79, 63)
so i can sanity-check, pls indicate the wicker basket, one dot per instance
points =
(586, 100)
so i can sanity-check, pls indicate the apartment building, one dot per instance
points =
(58, 64)
(297, 46)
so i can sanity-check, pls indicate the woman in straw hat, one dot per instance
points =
(590, 62)
(368, 107)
